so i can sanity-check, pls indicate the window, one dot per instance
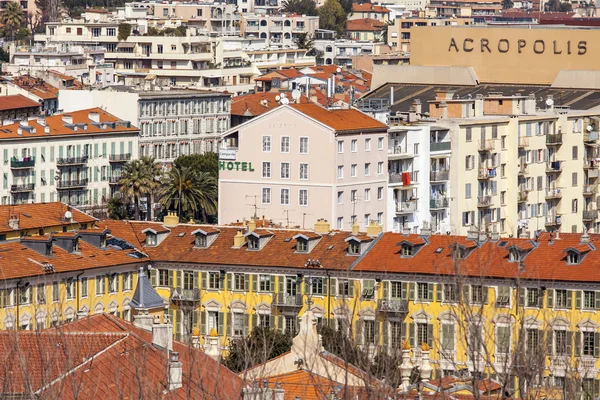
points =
(112, 283)
(317, 286)
(379, 193)
(367, 144)
(572, 257)
(239, 282)
(353, 170)
(285, 144)
(561, 342)
(503, 296)
(266, 195)
(111, 32)
(353, 145)
(266, 169)
(285, 197)
(285, 170)
(345, 288)
(127, 280)
(214, 279)
(533, 298)
(84, 287)
(340, 146)
(70, 288)
(450, 293)
(423, 291)
(302, 245)
(264, 320)
(303, 197)
(340, 171)
(503, 339)
(407, 250)
(514, 255)
(560, 298)
(163, 278)
(574, 153)
(25, 295)
(467, 190)
(353, 196)
(422, 333)
(369, 331)
(237, 324)
(340, 196)
(340, 222)
(303, 171)
(265, 283)
(100, 285)
(588, 343)
(574, 179)
(469, 134)
(367, 194)
(478, 294)
(589, 300)
(367, 169)
(150, 239)
(303, 145)
(266, 144)
(380, 143)
(447, 337)
(353, 247)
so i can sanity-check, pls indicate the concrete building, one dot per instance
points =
(171, 122)
(74, 157)
(17, 107)
(33, 88)
(366, 29)
(278, 30)
(269, 58)
(399, 33)
(340, 51)
(371, 11)
(308, 161)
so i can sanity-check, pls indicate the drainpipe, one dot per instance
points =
(17, 294)
(78, 290)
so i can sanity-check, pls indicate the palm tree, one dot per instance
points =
(187, 190)
(152, 174)
(140, 178)
(12, 18)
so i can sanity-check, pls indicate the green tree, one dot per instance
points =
(117, 209)
(153, 31)
(260, 346)
(124, 30)
(138, 180)
(302, 7)
(189, 191)
(153, 173)
(332, 17)
(13, 19)
(207, 162)
(347, 6)
(507, 4)
(304, 41)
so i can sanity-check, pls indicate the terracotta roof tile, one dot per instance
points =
(364, 24)
(36, 86)
(251, 105)
(41, 215)
(369, 7)
(340, 120)
(16, 101)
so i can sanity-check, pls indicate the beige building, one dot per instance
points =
(299, 163)
(278, 30)
(399, 33)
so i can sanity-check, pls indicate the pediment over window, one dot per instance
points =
(212, 304)
(204, 237)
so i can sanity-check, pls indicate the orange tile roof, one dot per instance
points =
(16, 101)
(329, 69)
(364, 24)
(340, 120)
(58, 128)
(36, 86)
(304, 385)
(369, 7)
(40, 215)
(251, 105)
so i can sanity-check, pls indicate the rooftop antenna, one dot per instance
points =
(304, 215)
(254, 205)
(287, 217)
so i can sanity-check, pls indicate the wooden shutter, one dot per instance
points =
(255, 283)
(386, 290)
(230, 281)
(246, 324)
(569, 343)
(569, 299)
(596, 344)
(377, 332)
(221, 281)
(385, 334)
(280, 323)
(404, 288)
(333, 287)
(411, 334)
(438, 292)
(229, 324)
(281, 280)
(194, 320)
(203, 323)
(403, 331)
(358, 331)
(466, 294)
(220, 323)
(550, 298)
(325, 286)
(204, 281)
(430, 291)
(195, 280)
(540, 298)
(522, 297)
(597, 300)
(430, 335)
(411, 291)
(578, 299)
(178, 323)
(153, 278)
(485, 291)
(549, 342)
(577, 344)
(246, 282)
(351, 287)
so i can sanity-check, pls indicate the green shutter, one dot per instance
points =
(377, 332)
(358, 331)
(385, 333)
(325, 285)
(204, 281)
(271, 322)
(597, 300)
(403, 331)
(569, 343)
(438, 292)
(203, 323)
(281, 280)
(255, 283)
(333, 287)
(153, 278)
(550, 298)
(522, 297)
(411, 291)
(466, 294)
(220, 320)
(596, 344)
(351, 283)
(411, 335)
(229, 281)
(540, 298)
(246, 282)
(195, 280)
(569, 299)
(404, 286)
(549, 342)
(280, 323)
(246, 324)
(386, 290)
(194, 319)
(229, 324)
(578, 299)
(485, 291)
(430, 335)
(430, 291)
(221, 281)
(577, 344)
(178, 322)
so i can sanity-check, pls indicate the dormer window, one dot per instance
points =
(514, 255)
(573, 257)
(353, 248)
(201, 241)
(150, 239)
(76, 244)
(460, 253)
(48, 250)
(302, 245)
(407, 250)
(253, 243)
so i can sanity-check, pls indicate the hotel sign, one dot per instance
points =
(236, 166)
(519, 46)
(227, 154)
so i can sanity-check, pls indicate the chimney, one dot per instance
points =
(252, 225)
(495, 236)
(13, 222)
(417, 106)
(175, 371)
(238, 240)
(322, 226)
(67, 119)
(162, 334)
(482, 237)
(585, 238)
(524, 235)
(23, 122)
(46, 129)
(143, 321)
(425, 230)
(472, 233)
(94, 116)
(211, 348)
(355, 228)
(41, 121)
(374, 229)
(19, 131)
(171, 219)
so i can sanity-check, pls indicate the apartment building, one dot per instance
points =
(269, 58)
(74, 158)
(172, 122)
(367, 29)
(278, 30)
(341, 51)
(307, 161)
(33, 88)
(371, 11)
(465, 8)
(398, 34)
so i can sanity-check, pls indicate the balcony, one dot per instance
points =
(77, 183)
(439, 146)
(27, 162)
(554, 139)
(114, 180)
(553, 220)
(486, 173)
(285, 300)
(392, 306)
(439, 203)
(590, 163)
(486, 145)
(72, 161)
(185, 295)
(439, 176)
(398, 152)
(523, 141)
(26, 187)
(523, 169)
(552, 194)
(119, 158)
(589, 216)
(553, 167)
(403, 207)
(590, 190)
(590, 137)
(406, 178)
(484, 201)
(522, 196)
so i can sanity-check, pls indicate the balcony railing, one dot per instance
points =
(179, 294)
(27, 187)
(439, 203)
(16, 163)
(523, 169)
(522, 196)
(287, 300)
(590, 163)
(553, 167)
(554, 139)
(119, 157)
(590, 136)
(397, 177)
(486, 173)
(72, 184)
(439, 146)
(553, 220)
(523, 141)
(486, 145)
(590, 215)
(437, 176)
(72, 160)
(399, 150)
(553, 194)
(406, 206)
(392, 306)
(484, 201)
(589, 190)
(114, 180)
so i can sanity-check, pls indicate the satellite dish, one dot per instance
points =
(277, 98)
(68, 215)
(285, 101)
(295, 94)
(283, 96)
(589, 128)
(549, 102)
(338, 70)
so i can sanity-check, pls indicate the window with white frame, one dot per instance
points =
(503, 339)
(70, 288)
(367, 194)
(380, 143)
(303, 171)
(447, 336)
(112, 283)
(303, 197)
(367, 144)
(340, 196)
(353, 145)
(285, 144)
(340, 171)
(367, 169)
(380, 168)
(127, 281)
(266, 169)
(353, 196)
(285, 170)
(266, 195)
(353, 170)
(379, 193)
(303, 145)
(340, 146)
(285, 197)
(562, 339)
(100, 285)
(266, 144)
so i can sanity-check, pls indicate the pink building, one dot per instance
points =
(301, 162)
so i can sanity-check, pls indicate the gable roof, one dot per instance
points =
(16, 101)
(251, 105)
(41, 215)
(369, 7)
(364, 24)
(340, 120)
(36, 86)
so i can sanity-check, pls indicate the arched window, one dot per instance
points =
(328, 49)
(287, 23)
(263, 22)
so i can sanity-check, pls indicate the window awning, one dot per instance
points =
(125, 45)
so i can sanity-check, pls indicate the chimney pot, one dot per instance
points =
(175, 371)
(322, 226)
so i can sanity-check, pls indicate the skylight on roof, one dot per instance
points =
(439, 250)
(502, 243)
(182, 234)
(287, 239)
(330, 247)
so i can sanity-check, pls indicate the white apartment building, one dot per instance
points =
(340, 51)
(171, 122)
(278, 30)
(75, 158)
(275, 58)
(300, 162)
